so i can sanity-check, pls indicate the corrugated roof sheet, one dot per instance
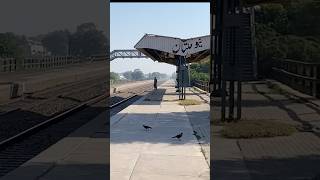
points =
(165, 49)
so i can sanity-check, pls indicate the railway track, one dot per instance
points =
(23, 146)
(50, 105)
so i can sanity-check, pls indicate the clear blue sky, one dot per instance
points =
(130, 21)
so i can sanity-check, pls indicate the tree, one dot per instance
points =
(304, 17)
(128, 75)
(114, 77)
(57, 42)
(275, 16)
(15, 46)
(88, 41)
(137, 75)
(200, 71)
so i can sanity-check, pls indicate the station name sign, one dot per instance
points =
(174, 46)
(190, 46)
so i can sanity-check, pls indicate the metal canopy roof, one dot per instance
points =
(164, 49)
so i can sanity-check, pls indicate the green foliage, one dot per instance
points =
(270, 43)
(12, 45)
(88, 40)
(274, 16)
(200, 71)
(114, 77)
(128, 75)
(304, 17)
(157, 75)
(300, 48)
(135, 75)
(57, 42)
(288, 31)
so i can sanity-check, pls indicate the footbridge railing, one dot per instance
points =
(126, 53)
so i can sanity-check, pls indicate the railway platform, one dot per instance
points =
(83, 155)
(277, 158)
(139, 154)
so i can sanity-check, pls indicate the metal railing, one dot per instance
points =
(8, 65)
(126, 53)
(302, 76)
(203, 85)
(44, 63)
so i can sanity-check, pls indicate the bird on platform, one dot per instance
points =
(178, 136)
(146, 127)
(195, 132)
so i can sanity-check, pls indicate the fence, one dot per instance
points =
(301, 76)
(8, 65)
(204, 85)
(43, 63)
(48, 62)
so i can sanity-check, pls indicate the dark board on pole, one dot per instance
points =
(239, 59)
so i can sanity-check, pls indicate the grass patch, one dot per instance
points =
(170, 100)
(199, 90)
(188, 102)
(276, 89)
(257, 128)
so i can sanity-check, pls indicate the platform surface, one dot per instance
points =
(137, 154)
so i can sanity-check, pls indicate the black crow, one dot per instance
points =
(178, 136)
(195, 132)
(146, 127)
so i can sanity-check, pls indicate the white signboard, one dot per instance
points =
(174, 46)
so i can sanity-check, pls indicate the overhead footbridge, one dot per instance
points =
(126, 53)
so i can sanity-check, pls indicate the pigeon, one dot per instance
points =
(146, 127)
(178, 136)
(197, 136)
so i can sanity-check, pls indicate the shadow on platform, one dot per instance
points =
(299, 167)
(66, 171)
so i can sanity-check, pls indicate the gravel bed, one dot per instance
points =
(35, 110)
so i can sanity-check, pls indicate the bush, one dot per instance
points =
(300, 48)
(200, 71)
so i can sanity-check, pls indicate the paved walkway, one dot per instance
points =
(83, 155)
(278, 158)
(137, 154)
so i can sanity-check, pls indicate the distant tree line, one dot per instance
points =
(87, 40)
(138, 75)
(12, 45)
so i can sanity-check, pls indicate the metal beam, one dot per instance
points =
(126, 53)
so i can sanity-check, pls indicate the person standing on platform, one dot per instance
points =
(155, 83)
